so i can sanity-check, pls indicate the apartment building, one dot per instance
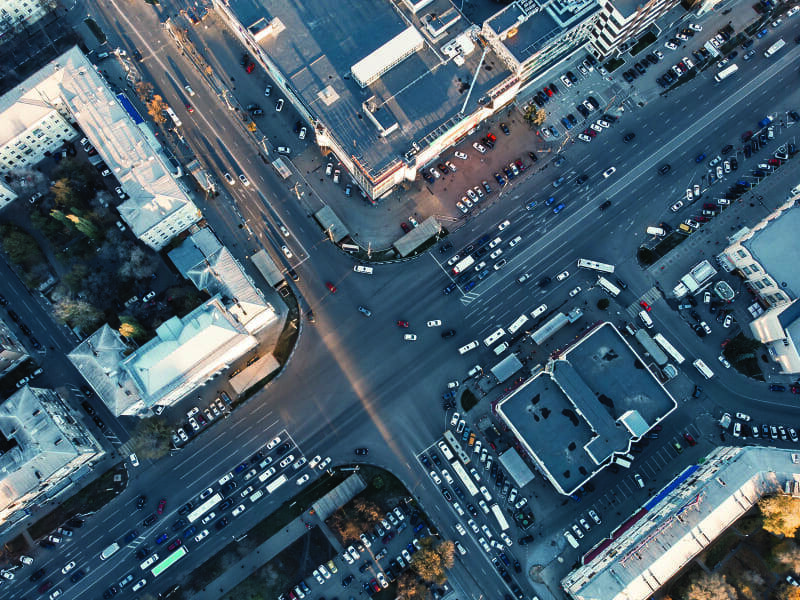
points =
(621, 21)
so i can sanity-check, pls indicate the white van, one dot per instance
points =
(476, 370)
(109, 551)
(256, 496)
(225, 479)
(657, 231)
(539, 311)
(571, 539)
(448, 454)
(363, 269)
(501, 348)
(468, 347)
(494, 337)
(646, 320)
(148, 562)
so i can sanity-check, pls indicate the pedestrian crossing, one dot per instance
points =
(650, 296)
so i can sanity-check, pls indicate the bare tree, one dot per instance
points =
(711, 586)
(156, 108)
(151, 438)
(409, 586)
(144, 90)
(77, 313)
(139, 265)
(432, 562)
(788, 592)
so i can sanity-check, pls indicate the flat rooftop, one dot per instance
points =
(598, 396)
(315, 46)
(776, 246)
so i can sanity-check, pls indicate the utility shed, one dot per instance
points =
(267, 267)
(429, 228)
(506, 368)
(516, 467)
(331, 224)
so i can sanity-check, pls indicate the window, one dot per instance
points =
(754, 268)
(759, 285)
(745, 270)
(741, 253)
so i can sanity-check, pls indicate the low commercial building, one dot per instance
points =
(43, 448)
(69, 95)
(679, 522)
(600, 398)
(764, 258)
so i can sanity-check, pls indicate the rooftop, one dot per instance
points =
(599, 397)
(679, 522)
(775, 246)
(315, 48)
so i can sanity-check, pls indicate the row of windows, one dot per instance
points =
(753, 268)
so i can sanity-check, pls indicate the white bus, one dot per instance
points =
(726, 72)
(462, 474)
(608, 286)
(174, 117)
(516, 325)
(275, 484)
(205, 507)
(703, 368)
(457, 449)
(774, 48)
(669, 348)
(464, 263)
(584, 263)
(498, 514)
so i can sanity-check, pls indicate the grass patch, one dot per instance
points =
(720, 548)
(749, 524)
(98, 33)
(292, 564)
(90, 499)
(643, 43)
(468, 400)
(680, 586)
(613, 64)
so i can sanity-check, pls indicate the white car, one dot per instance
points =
(462, 208)
(410, 337)
(460, 529)
(495, 242)
(286, 461)
(347, 558)
(565, 80)
(562, 276)
(696, 190)
(238, 510)
(584, 138)
(324, 464)
(451, 385)
(506, 539)
(454, 419)
(382, 580)
(244, 180)
(689, 195)
(742, 416)
(639, 481)
(365, 540)
(324, 572)
(485, 545)
(496, 253)
(320, 579)
(351, 549)
(472, 195)
(724, 361)
(303, 479)
(584, 524)
(201, 536)
(603, 123)
(142, 582)
(194, 424)
(515, 241)
(447, 477)
(609, 172)
(503, 225)
(677, 206)
(406, 556)
(435, 323)
(314, 461)
(435, 478)
(474, 526)
(66, 569)
(694, 27)
(575, 292)
(286, 252)
(479, 147)
(594, 517)
(460, 155)
(208, 518)
(596, 127)
(466, 201)
(134, 460)
(274, 442)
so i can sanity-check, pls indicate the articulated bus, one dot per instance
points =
(206, 506)
(669, 348)
(457, 449)
(169, 561)
(608, 286)
(501, 518)
(584, 263)
(462, 474)
(726, 72)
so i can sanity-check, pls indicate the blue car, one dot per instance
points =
(449, 288)
(549, 201)
(700, 158)
(469, 286)
(762, 33)
(448, 394)
(530, 205)
(559, 208)
(566, 123)
(499, 179)
(509, 173)
(162, 538)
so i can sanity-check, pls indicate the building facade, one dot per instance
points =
(15, 14)
(621, 21)
(43, 447)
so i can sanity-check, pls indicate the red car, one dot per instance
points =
(724, 343)
(161, 504)
(406, 227)
(250, 67)
(331, 287)
(174, 545)
(548, 91)
(688, 437)
(774, 161)
(491, 137)
(189, 108)
(402, 324)
(645, 305)
(795, 389)
(374, 585)
(747, 135)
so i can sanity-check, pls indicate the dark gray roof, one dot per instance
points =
(776, 247)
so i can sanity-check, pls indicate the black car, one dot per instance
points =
(627, 76)
(14, 316)
(727, 149)
(228, 488)
(571, 77)
(504, 128)
(640, 68)
(582, 179)
(472, 510)
(543, 282)
(449, 289)
(37, 575)
(362, 451)
(628, 137)
(76, 522)
(150, 520)
(517, 567)
(572, 120)
(112, 591)
(222, 523)
(347, 580)
(605, 205)
(664, 169)
(582, 109)
(130, 536)
(447, 495)
(142, 552)
(179, 524)
(46, 544)
(185, 508)
(88, 408)
(622, 284)
(77, 576)
(283, 448)
(3, 301)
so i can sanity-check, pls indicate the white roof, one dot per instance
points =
(389, 54)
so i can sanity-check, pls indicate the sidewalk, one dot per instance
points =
(238, 572)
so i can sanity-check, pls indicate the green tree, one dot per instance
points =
(74, 279)
(78, 313)
(138, 265)
(20, 246)
(781, 514)
(131, 328)
(603, 303)
(151, 438)
(741, 348)
(787, 556)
